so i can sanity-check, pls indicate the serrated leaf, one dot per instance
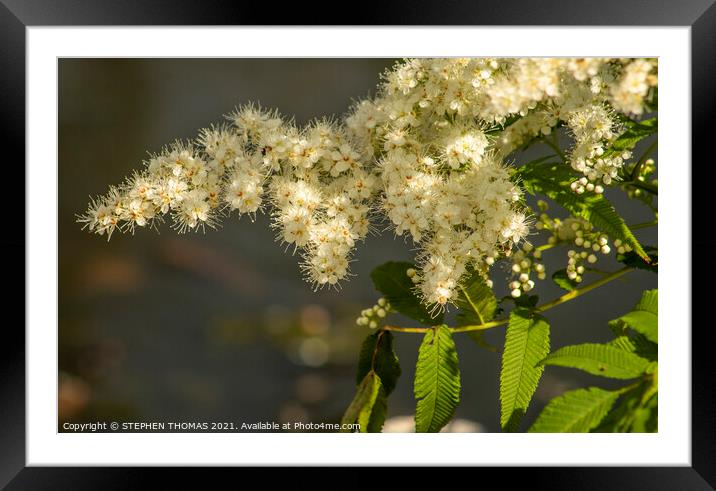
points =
(600, 213)
(644, 318)
(576, 411)
(599, 359)
(377, 354)
(636, 343)
(476, 301)
(563, 281)
(645, 418)
(526, 344)
(437, 381)
(644, 322)
(633, 260)
(634, 412)
(391, 279)
(635, 132)
(620, 418)
(553, 180)
(361, 408)
(623, 343)
(525, 301)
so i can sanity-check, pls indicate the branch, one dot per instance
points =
(541, 308)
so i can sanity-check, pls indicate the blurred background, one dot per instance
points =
(220, 326)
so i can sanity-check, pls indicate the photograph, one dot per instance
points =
(357, 245)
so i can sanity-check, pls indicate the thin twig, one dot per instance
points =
(544, 307)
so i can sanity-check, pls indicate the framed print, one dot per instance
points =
(248, 245)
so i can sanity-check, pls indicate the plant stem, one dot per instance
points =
(481, 327)
(581, 291)
(541, 308)
(406, 329)
(545, 247)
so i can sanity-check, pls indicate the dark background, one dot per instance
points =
(220, 326)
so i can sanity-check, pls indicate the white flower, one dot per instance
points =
(465, 146)
(417, 154)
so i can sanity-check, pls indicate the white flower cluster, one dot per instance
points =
(637, 77)
(426, 153)
(440, 129)
(314, 179)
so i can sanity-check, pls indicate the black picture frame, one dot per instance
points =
(16, 15)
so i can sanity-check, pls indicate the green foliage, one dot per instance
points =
(562, 280)
(633, 342)
(377, 360)
(599, 359)
(636, 411)
(633, 260)
(645, 417)
(645, 348)
(632, 354)
(576, 411)
(377, 354)
(437, 380)
(478, 305)
(644, 319)
(476, 301)
(526, 344)
(553, 180)
(525, 301)
(391, 279)
(635, 132)
(363, 406)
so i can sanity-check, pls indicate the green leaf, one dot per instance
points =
(525, 301)
(576, 411)
(377, 354)
(599, 359)
(526, 344)
(361, 408)
(646, 417)
(437, 381)
(553, 180)
(391, 279)
(633, 260)
(619, 419)
(634, 133)
(562, 280)
(644, 318)
(633, 342)
(379, 412)
(476, 301)
(600, 213)
(623, 343)
(635, 412)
